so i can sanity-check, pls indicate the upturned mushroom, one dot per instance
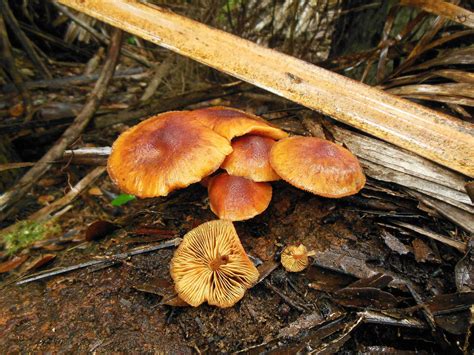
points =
(318, 166)
(230, 122)
(294, 258)
(164, 153)
(250, 158)
(236, 198)
(211, 265)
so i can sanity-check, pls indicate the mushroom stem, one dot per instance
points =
(218, 262)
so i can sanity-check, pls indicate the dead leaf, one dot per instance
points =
(39, 261)
(394, 243)
(423, 252)
(378, 281)
(464, 273)
(95, 191)
(365, 297)
(12, 263)
(327, 280)
(99, 229)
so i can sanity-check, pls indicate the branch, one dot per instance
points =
(11, 197)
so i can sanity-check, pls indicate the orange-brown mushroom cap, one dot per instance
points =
(230, 122)
(165, 153)
(295, 258)
(211, 265)
(236, 198)
(250, 158)
(318, 166)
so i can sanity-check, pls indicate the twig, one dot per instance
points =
(8, 63)
(114, 259)
(71, 195)
(160, 72)
(72, 81)
(24, 40)
(284, 297)
(462, 247)
(11, 197)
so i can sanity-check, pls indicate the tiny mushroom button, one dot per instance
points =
(295, 258)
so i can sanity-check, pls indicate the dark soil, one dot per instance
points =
(106, 309)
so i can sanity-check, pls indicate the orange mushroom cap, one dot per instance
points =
(318, 166)
(250, 158)
(165, 153)
(230, 122)
(211, 265)
(295, 258)
(236, 198)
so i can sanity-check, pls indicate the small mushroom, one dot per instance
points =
(295, 258)
(165, 153)
(250, 158)
(230, 123)
(318, 166)
(236, 198)
(211, 265)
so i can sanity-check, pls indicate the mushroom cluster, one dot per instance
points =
(176, 149)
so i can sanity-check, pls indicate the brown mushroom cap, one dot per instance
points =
(250, 158)
(230, 123)
(211, 265)
(165, 153)
(295, 258)
(236, 198)
(318, 166)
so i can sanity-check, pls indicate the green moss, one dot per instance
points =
(25, 233)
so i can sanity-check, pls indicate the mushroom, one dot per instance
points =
(295, 258)
(230, 122)
(236, 198)
(250, 158)
(164, 153)
(318, 166)
(211, 265)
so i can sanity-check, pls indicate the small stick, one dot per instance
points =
(107, 259)
(284, 297)
(71, 195)
(462, 247)
(161, 71)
